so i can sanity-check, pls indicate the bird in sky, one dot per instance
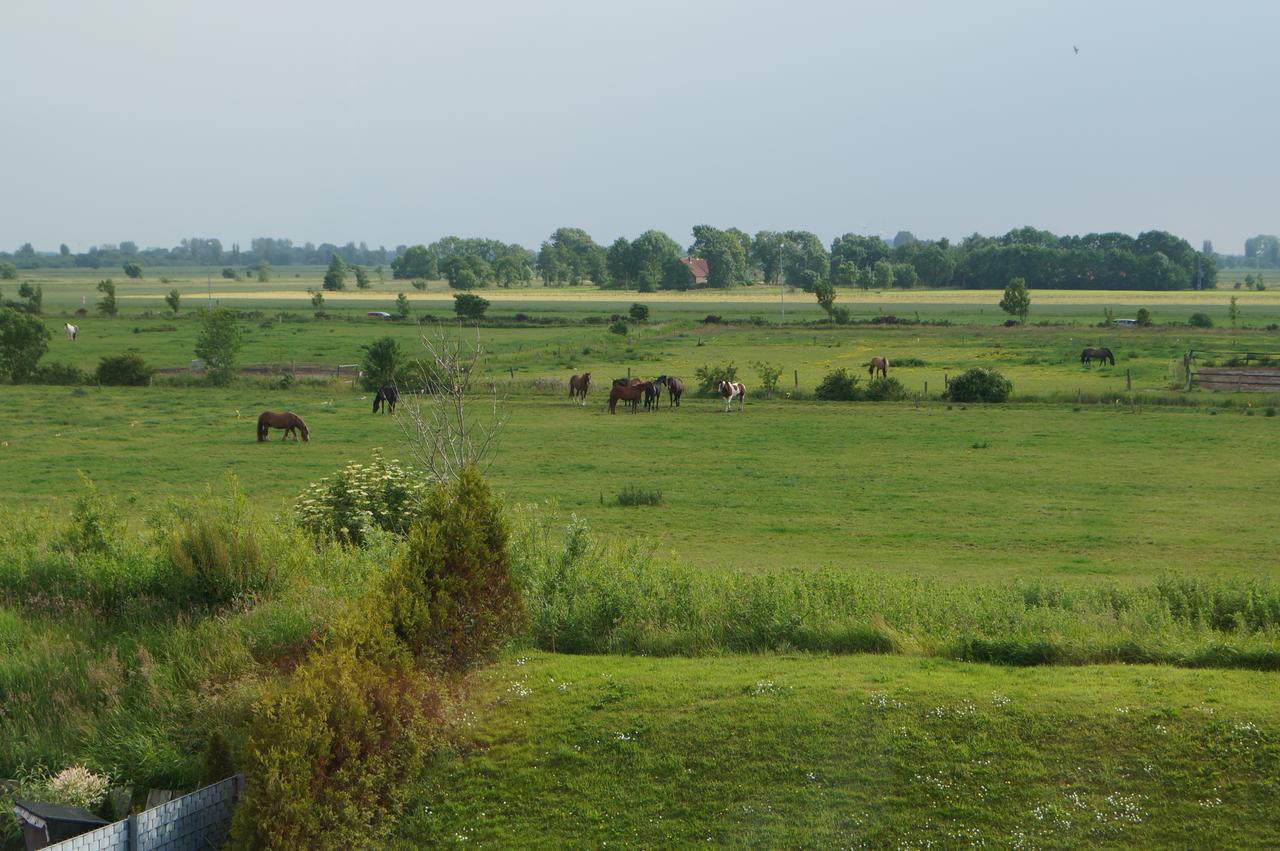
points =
(1076, 49)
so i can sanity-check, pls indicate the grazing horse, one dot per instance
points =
(675, 389)
(730, 390)
(652, 395)
(881, 364)
(1087, 356)
(72, 331)
(630, 394)
(287, 420)
(388, 395)
(578, 386)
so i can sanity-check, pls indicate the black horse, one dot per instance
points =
(386, 393)
(652, 394)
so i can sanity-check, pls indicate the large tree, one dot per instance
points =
(335, 277)
(1017, 300)
(803, 252)
(725, 256)
(571, 256)
(415, 262)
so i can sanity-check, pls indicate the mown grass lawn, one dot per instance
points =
(864, 751)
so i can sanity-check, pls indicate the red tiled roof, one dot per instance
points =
(698, 267)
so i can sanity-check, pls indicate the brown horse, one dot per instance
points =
(578, 386)
(630, 394)
(1087, 356)
(287, 420)
(881, 364)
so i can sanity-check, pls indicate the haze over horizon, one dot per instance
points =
(399, 123)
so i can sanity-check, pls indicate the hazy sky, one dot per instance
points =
(399, 122)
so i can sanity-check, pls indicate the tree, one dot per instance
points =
(229, 273)
(415, 262)
(726, 259)
(1233, 312)
(904, 275)
(639, 312)
(317, 299)
(362, 278)
(133, 270)
(174, 299)
(803, 253)
(34, 294)
(766, 255)
(1017, 300)
(23, 341)
(572, 256)
(8, 271)
(107, 306)
(402, 306)
(882, 274)
(380, 363)
(470, 306)
(218, 343)
(1143, 317)
(264, 270)
(826, 295)
(335, 277)
(676, 275)
(64, 250)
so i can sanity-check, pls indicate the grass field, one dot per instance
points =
(1050, 531)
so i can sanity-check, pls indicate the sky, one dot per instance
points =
(400, 122)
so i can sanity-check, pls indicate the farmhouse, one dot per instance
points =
(697, 267)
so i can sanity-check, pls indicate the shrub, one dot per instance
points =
(768, 374)
(133, 270)
(469, 306)
(58, 373)
(838, 386)
(1143, 317)
(639, 312)
(123, 371)
(709, 378)
(361, 497)
(1200, 320)
(77, 786)
(218, 343)
(619, 327)
(329, 757)
(450, 596)
(885, 389)
(379, 363)
(979, 385)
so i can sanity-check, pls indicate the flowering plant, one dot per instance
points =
(361, 497)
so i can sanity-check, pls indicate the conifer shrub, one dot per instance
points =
(450, 596)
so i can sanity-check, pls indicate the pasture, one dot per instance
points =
(1083, 521)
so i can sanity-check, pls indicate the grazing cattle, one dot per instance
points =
(388, 395)
(287, 420)
(630, 394)
(578, 386)
(879, 364)
(730, 390)
(72, 331)
(1088, 356)
(675, 389)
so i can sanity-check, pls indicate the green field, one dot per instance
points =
(1103, 514)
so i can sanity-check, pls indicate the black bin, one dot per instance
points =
(45, 824)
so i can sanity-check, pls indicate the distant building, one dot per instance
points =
(697, 267)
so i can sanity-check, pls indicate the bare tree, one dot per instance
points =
(452, 420)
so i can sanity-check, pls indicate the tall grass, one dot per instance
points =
(586, 595)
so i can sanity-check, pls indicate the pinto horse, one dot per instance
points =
(881, 364)
(578, 386)
(72, 331)
(287, 420)
(675, 389)
(730, 390)
(630, 394)
(1087, 356)
(387, 395)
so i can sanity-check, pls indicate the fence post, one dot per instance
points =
(926, 390)
(1128, 379)
(133, 833)
(795, 377)
(628, 373)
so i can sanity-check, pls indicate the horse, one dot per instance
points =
(287, 420)
(730, 390)
(1089, 355)
(879, 363)
(628, 393)
(675, 389)
(72, 331)
(387, 395)
(627, 382)
(578, 386)
(652, 395)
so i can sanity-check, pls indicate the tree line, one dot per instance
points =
(1153, 260)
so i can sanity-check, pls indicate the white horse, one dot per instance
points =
(730, 390)
(71, 330)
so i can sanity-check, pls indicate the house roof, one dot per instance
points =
(697, 266)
